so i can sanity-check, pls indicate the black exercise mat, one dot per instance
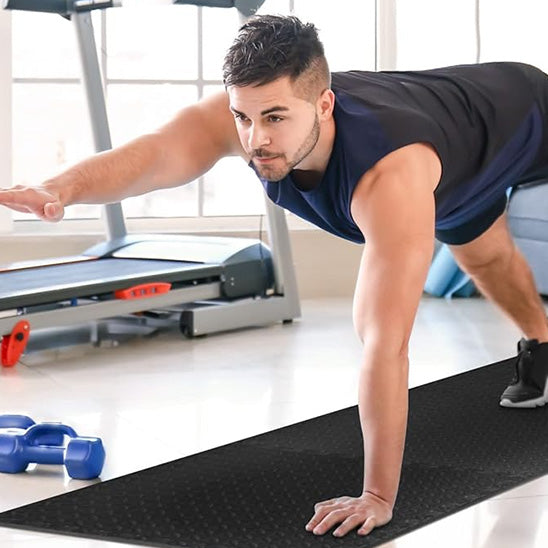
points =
(462, 448)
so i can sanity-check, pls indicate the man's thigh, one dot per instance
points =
(490, 247)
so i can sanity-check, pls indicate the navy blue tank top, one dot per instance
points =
(487, 123)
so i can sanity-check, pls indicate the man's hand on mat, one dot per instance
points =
(36, 200)
(365, 512)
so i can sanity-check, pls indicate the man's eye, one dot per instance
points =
(240, 117)
(274, 119)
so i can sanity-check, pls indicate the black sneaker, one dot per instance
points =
(529, 387)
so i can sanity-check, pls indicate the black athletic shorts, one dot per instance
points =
(475, 227)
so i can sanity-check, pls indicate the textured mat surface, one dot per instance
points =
(461, 448)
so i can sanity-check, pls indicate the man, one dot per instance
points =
(392, 158)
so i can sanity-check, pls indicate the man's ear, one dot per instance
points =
(326, 103)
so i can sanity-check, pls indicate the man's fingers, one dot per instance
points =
(6, 196)
(368, 526)
(334, 517)
(16, 207)
(324, 504)
(317, 518)
(364, 513)
(53, 211)
(11, 194)
(331, 502)
(321, 509)
(350, 523)
(32, 200)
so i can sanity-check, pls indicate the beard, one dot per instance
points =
(281, 167)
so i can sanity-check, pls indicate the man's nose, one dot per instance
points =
(257, 137)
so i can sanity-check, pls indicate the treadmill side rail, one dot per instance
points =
(72, 315)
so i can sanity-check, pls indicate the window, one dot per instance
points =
(152, 44)
(431, 34)
(50, 128)
(347, 31)
(50, 132)
(514, 31)
(52, 51)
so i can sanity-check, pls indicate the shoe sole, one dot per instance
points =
(528, 404)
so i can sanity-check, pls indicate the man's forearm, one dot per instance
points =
(383, 402)
(108, 176)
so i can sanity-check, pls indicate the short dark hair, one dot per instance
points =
(269, 47)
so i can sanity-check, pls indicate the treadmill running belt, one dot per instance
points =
(461, 448)
(52, 283)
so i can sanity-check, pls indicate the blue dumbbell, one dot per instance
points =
(13, 424)
(82, 457)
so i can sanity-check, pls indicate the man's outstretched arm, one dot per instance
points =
(175, 154)
(394, 207)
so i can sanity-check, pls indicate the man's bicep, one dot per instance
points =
(388, 291)
(397, 220)
(196, 138)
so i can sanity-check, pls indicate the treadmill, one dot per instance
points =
(136, 283)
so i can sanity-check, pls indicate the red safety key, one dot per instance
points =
(143, 290)
(14, 344)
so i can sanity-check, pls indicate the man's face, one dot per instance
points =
(277, 129)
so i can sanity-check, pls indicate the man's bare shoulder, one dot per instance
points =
(208, 124)
(401, 181)
(418, 161)
(416, 158)
(216, 114)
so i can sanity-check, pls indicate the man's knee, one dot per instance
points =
(492, 250)
(479, 262)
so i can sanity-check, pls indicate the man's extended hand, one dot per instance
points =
(365, 512)
(42, 203)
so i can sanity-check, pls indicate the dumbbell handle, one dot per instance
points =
(50, 428)
(15, 421)
(44, 454)
(23, 422)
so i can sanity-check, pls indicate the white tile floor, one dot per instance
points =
(159, 399)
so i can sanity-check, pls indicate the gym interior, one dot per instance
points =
(248, 325)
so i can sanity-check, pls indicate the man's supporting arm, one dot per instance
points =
(394, 207)
(396, 215)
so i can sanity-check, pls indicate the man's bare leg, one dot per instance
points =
(502, 274)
